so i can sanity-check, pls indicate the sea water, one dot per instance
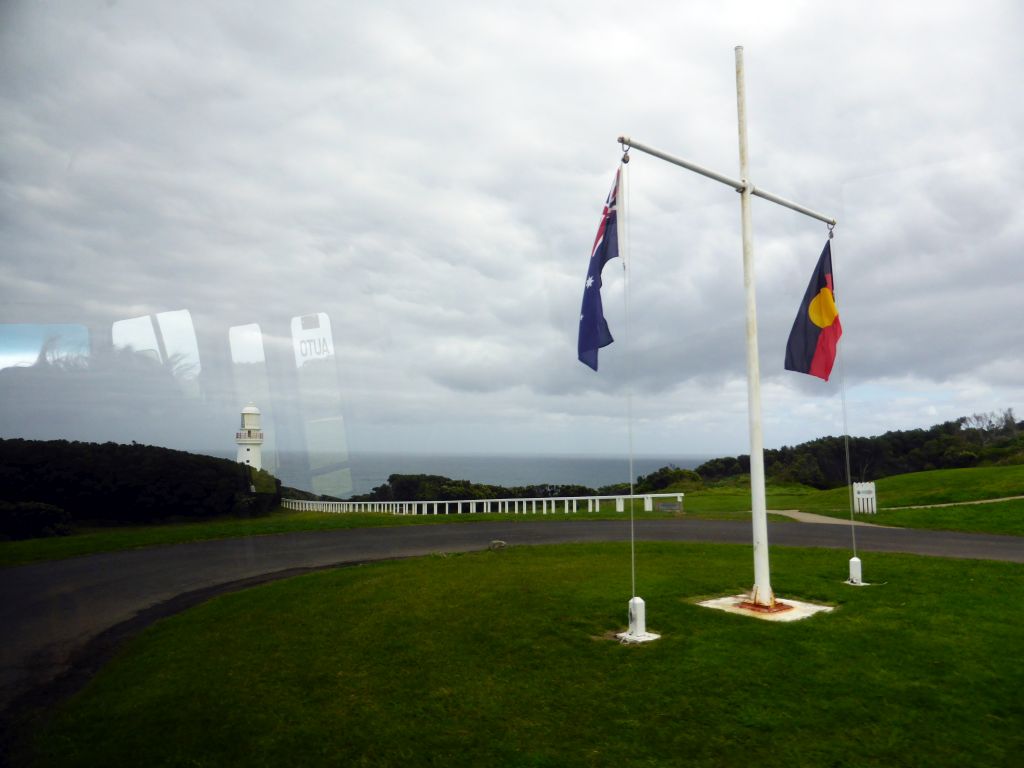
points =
(372, 469)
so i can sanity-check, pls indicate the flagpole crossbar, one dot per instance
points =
(740, 185)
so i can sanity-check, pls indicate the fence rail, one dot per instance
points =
(545, 506)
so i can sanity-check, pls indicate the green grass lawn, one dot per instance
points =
(503, 658)
(1006, 517)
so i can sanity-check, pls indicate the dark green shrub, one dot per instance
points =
(112, 483)
(32, 519)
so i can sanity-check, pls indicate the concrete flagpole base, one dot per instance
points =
(637, 624)
(776, 606)
(793, 610)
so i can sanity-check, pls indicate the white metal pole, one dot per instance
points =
(762, 591)
(761, 594)
(727, 180)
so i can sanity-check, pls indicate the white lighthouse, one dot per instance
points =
(250, 438)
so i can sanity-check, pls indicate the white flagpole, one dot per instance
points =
(761, 594)
(761, 597)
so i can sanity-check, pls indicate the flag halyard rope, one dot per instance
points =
(846, 424)
(624, 250)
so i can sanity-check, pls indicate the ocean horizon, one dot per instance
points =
(371, 469)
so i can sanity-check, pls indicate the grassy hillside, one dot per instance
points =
(942, 486)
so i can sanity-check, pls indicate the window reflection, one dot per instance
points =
(167, 337)
(26, 344)
(161, 379)
(320, 402)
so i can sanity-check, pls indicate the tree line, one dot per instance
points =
(986, 438)
(970, 441)
(47, 486)
(401, 487)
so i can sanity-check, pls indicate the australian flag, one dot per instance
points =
(594, 332)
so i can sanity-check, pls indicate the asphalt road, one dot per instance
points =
(61, 620)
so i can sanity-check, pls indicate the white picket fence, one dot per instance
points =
(544, 506)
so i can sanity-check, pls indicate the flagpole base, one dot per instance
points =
(776, 606)
(762, 600)
(629, 638)
(791, 610)
(637, 624)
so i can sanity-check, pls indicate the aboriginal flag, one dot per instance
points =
(594, 332)
(812, 342)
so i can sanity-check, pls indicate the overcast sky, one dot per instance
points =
(430, 176)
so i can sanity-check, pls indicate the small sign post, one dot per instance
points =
(864, 499)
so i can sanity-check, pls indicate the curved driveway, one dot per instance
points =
(70, 614)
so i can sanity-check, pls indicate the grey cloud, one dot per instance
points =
(431, 178)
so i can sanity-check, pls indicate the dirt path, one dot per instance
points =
(810, 517)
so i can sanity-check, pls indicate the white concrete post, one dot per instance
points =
(855, 570)
(637, 624)
(637, 616)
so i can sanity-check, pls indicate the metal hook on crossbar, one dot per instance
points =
(831, 227)
(625, 149)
